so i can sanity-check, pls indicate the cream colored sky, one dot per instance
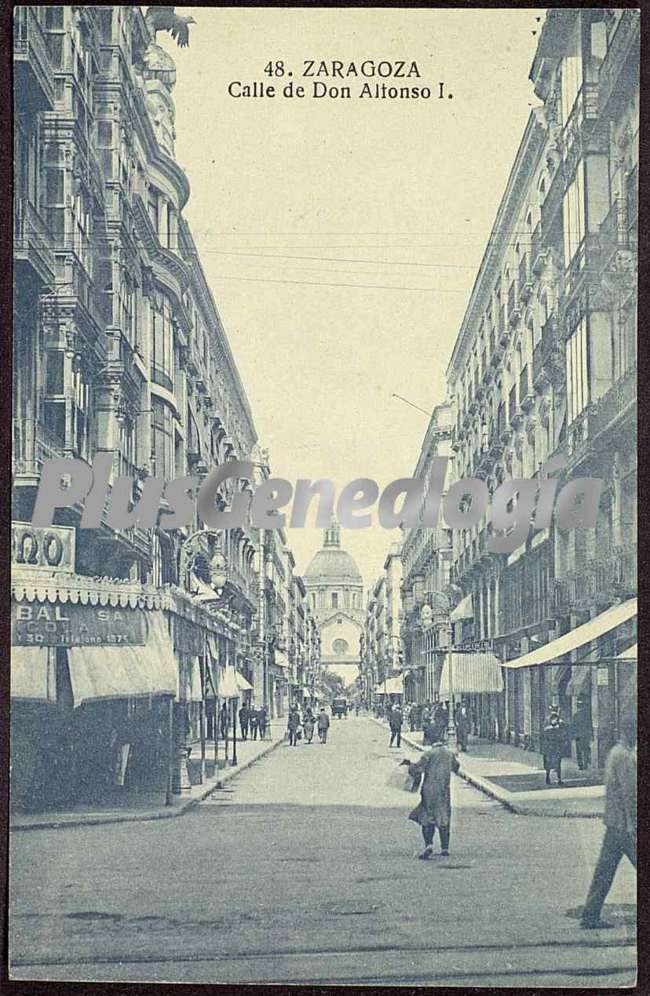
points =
(378, 182)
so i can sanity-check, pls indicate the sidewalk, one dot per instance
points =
(151, 806)
(516, 778)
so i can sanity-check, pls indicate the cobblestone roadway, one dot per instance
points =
(303, 870)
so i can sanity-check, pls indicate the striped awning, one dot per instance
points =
(107, 672)
(604, 623)
(470, 674)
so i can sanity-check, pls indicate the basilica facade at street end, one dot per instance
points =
(335, 594)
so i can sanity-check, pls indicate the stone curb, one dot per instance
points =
(162, 814)
(505, 799)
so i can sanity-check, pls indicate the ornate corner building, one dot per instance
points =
(119, 349)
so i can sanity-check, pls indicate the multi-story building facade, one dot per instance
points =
(119, 354)
(544, 366)
(426, 562)
(382, 662)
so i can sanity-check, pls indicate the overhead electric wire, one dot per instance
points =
(338, 259)
(323, 283)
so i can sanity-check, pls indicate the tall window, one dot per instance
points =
(571, 73)
(573, 215)
(163, 353)
(163, 439)
(335, 600)
(577, 371)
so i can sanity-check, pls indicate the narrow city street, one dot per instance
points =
(304, 870)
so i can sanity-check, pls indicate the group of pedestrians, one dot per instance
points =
(299, 727)
(253, 721)
(435, 723)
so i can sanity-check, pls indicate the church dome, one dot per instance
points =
(332, 565)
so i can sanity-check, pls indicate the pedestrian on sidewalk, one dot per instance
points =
(395, 721)
(434, 809)
(554, 738)
(413, 717)
(254, 722)
(323, 725)
(262, 721)
(308, 724)
(244, 717)
(293, 725)
(223, 721)
(620, 822)
(439, 724)
(581, 730)
(463, 727)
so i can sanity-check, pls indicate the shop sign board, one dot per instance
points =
(49, 548)
(47, 625)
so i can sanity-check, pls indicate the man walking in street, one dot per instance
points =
(323, 725)
(554, 739)
(244, 714)
(253, 720)
(439, 724)
(308, 725)
(434, 809)
(395, 722)
(293, 725)
(262, 720)
(620, 822)
(581, 731)
(463, 726)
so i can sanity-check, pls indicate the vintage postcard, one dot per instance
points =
(324, 500)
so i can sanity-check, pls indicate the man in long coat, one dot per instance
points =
(554, 741)
(434, 809)
(581, 730)
(395, 723)
(244, 716)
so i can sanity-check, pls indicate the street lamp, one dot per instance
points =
(428, 616)
(218, 571)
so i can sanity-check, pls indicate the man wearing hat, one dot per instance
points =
(582, 732)
(554, 740)
(434, 809)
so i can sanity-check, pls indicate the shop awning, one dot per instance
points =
(228, 684)
(471, 674)
(464, 610)
(631, 654)
(243, 682)
(392, 686)
(33, 673)
(105, 672)
(578, 637)
(195, 691)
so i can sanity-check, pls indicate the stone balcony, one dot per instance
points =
(33, 74)
(598, 582)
